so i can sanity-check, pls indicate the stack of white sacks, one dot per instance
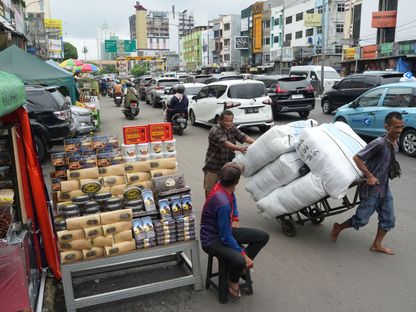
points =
(273, 161)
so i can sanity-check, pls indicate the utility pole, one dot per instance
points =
(324, 35)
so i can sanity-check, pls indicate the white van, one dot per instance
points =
(313, 73)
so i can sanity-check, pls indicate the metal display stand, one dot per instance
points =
(159, 254)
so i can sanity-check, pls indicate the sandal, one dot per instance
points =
(234, 293)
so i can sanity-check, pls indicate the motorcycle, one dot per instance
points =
(103, 92)
(131, 112)
(179, 123)
(118, 99)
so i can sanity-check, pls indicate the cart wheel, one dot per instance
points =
(288, 227)
(315, 216)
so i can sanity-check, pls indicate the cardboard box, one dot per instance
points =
(160, 132)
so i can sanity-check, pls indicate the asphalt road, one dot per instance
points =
(307, 272)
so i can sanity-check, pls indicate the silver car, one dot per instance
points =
(82, 119)
(157, 87)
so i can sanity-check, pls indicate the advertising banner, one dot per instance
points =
(349, 54)
(384, 19)
(241, 42)
(312, 19)
(369, 52)
(55, 45)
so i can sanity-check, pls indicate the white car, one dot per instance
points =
(191, 89)
(247, 99)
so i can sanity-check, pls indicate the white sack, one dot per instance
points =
(273, 143)
(328, 151)
(280, 172)
(299, 194)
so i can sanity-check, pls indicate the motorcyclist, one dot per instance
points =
(103, 86)
(178, 103)
(130, 94)
(117, 88)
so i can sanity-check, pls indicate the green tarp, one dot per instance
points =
(12, 93)
(31, 69)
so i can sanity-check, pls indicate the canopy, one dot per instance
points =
(31, 69)
(12, 93)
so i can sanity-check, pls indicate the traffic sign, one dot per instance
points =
(129, 45)
(110, 46)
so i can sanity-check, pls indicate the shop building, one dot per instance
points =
(12, 26)
(192, 49)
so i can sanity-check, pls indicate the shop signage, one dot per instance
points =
(407, 47)
(287, 54)
(135, 134)
(350, 53)
(384, 19)
(160, 132)
(241, 42)
(257, 34)
(312, 19)
(55, 45)
(129, 45)
(385, 49)
(110, 46)
(258, 8)
(369, 52)
(53, 23)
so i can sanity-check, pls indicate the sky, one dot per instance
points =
(82, 19)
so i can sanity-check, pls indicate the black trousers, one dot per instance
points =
(254, 239)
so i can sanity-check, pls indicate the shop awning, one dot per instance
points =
(12, 91)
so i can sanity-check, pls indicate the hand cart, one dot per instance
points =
(317, 212)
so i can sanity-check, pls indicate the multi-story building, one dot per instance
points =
(39, 6)
(246, 27)
(192, 48)
(12, 25)
(276, 35)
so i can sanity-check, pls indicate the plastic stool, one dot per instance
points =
(222, 286)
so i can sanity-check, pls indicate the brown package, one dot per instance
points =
(145, 184)
(118, 190)
(67, 236)
(102, 241)
(68, 186)
(70, 256)
(165, 163)
(113, 180)
(116, 216)
(163, 172)
(94, 252)
(89, 173)
(115, 228)
(139, 166)
(63, 197)
(120, 248)
(137, 177)
(124, 236)
(83, 222)
(115, 170)
(105, 189)
(78, 244)
(93, 232)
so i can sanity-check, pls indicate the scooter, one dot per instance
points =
(179, 123)
(131, 112)
(103, 92)
(118, 99)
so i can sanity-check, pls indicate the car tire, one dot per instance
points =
(303, 114)
(408, 142)
(40, 147)
(342, 119)
(327, 107)
(264, 128)
(192, 117)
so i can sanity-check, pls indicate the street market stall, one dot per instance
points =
(88, 89)
(26, 234)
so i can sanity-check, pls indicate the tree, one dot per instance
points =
(70, 51)
(138, 70)
(109, 69)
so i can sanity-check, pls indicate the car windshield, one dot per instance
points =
(41, 101)
(192, 90)
(168, 83)
(247, 91)
(293, 83)
(328, 74)
(201, 79)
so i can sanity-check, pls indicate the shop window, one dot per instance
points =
(266, 24)
(276, 39)
(338, 49)
(309, 32)
(288, 37)
(299, 16)
(299, 34)
(340, 7)
(289, 20)
(339, 28)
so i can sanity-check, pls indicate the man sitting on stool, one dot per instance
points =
(221, 235)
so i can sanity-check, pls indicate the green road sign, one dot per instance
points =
(129, 45)
(110, 46)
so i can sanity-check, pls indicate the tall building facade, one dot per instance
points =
(12, 24)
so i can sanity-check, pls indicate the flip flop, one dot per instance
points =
(234, 293)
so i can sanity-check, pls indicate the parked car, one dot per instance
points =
(50, 117)
(82, 120)
(289, 94)
(366, 114)
(141, 86)
(157, 87)
(313, 74)
(247, 99)
(349, 88)
(191, 89)
(182, 77)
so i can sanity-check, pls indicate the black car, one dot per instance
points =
(351, 87)
(50, 117)
(289, 94)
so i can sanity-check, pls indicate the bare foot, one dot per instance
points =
(382, 249)
(335, 231)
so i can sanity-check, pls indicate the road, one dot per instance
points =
(307, 272)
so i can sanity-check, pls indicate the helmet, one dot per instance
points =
(179, 89)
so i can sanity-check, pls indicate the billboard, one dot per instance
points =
(257, 34)
(312, 19)
(384, 19)
(53, 23)
(241, 42)
(55, 45)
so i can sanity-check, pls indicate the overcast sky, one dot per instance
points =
(82, 18)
